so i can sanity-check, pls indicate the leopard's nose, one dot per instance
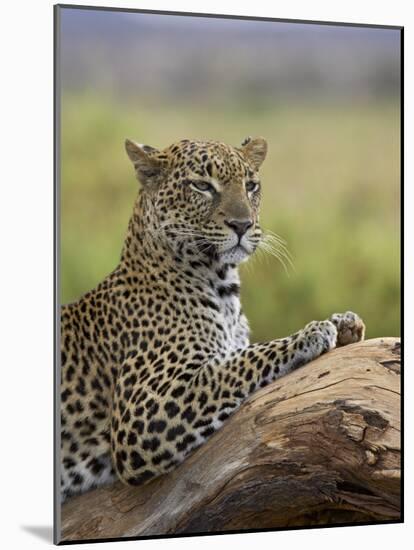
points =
(239, 226)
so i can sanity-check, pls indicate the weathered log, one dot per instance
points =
(318, 446)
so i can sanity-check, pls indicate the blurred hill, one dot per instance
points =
(191, 58)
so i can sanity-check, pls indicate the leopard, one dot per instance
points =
(157, 357)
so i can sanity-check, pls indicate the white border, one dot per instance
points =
(26, 267)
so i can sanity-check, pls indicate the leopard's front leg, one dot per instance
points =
(153, 431)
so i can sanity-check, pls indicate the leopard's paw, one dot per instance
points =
(350, 328)
(319, 337)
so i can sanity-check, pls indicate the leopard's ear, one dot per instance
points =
(254, 150)
(147, 163)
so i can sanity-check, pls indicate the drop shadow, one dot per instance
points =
(43, 532)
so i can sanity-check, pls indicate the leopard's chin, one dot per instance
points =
(235, 255)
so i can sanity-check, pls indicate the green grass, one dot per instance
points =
(331, 190)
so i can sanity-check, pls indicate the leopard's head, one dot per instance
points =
(205, 195)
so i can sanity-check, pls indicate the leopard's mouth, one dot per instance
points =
(235, 254)
(237, 247)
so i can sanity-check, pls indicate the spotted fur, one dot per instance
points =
(157, 356)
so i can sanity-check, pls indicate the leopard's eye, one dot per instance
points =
(252, 186)
(203, 186)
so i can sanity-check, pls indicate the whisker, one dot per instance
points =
(271, 239)
(275, 235)
(274, 245)
(281, 255)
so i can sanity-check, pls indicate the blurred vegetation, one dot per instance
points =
(331, 190)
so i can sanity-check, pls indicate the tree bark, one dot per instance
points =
(319, 446)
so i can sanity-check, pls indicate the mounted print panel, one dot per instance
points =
(228, 274)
